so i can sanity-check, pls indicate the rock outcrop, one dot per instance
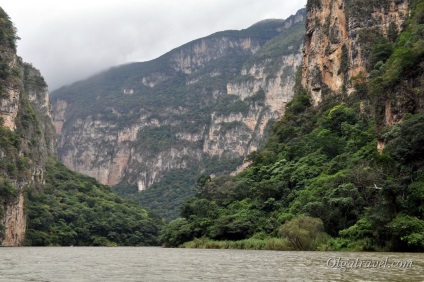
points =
(211, 99)
(27, 135)
(339, 38)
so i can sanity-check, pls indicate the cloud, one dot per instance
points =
(71, 40)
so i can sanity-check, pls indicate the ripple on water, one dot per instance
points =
(158, 264)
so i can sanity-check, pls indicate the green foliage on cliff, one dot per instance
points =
(16, 159)
(167, 196)
(307, 150)
(72, 209)
(330, 171)
(22, 150)
(405, 62)
(7, 191)
(322, 163)
(173, 88)
(313, 4)
(8, 40)
(69, 209)
(164, 197)
(8, 35)
(290, 39)
(180, 94)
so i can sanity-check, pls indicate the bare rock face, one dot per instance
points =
(9, 108)
(337, 42)
(209, 99)
(196, 55)
(14, 222)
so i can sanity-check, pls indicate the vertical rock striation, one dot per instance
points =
(27, 134)
(208, 101)
(339, 38)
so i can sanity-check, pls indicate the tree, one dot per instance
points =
(303, 232)
(201, 183)
(176, 232)
(409, 231)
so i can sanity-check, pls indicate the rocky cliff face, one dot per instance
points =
(207, 101)
(339, 38)
(27, 135)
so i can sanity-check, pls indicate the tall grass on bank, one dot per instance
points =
(277, 244)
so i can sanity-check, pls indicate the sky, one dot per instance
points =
(72, 40)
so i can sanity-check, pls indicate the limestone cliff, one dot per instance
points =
(210, 100)
(339, 37)
(27, 134)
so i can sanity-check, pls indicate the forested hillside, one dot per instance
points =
(150, 128)
(42, 203)
(75, 210)
(342, 170)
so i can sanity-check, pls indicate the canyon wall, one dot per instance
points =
(339, 39)
(27, 135)
(210, 100)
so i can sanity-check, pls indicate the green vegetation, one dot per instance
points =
(304, 233)
(300, 234)
(72, 209)
(35, 82)
(264, 31)
(319, 183)
(231, 104)
(286, 43)
(313, 4)
(327, 168)
(369, 35)
(15, 162)
(180, 102)
(166, 196)
(275, 244)
(7, 191)
(406, 58)
(8, 35)
(8, 40)
(101, 93)
(156, 139)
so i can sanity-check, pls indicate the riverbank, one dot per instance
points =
(277, 244)
(283, 244)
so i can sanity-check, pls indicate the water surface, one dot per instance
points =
(159, 264)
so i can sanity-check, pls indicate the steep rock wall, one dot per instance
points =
(14, 221)
(23, 162)
(209, 99)
(196, 55)
(337, 42)
(27, 134)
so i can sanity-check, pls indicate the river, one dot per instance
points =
(159, 264)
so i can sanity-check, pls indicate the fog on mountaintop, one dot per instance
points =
(71, 41)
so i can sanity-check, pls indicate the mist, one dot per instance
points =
(72, 40)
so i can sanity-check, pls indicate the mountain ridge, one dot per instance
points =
(41, 202)
(343, 169)
(182, 110)
(276, 24)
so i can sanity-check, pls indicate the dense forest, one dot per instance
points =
(40, 199)
(75, 210)
(320, 182)
(150, 128)
(333, 176)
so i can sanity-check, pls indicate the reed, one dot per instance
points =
(276, 244)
